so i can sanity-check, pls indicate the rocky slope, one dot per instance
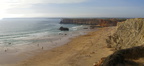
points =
(92, 21)
(128, 41)
(129, 34)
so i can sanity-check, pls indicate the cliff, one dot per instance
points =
(92, 21)
(129, 34)
(128, 41)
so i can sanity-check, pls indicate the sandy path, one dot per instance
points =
(80, 51)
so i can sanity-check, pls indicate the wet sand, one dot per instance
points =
(80, 51)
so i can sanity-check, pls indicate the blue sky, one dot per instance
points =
(71, 8)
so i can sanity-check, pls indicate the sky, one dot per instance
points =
(71, 8)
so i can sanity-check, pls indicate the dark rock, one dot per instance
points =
(92, 26)
(124, 57)
(85, 28)
(63, 29)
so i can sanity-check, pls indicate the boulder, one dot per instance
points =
(64, 28)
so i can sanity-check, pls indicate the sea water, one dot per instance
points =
(22, 31)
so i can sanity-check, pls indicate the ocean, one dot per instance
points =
(27, 31)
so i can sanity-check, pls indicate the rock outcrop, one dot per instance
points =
(125, 57)
(129, 34)
(92, 21)
(128, 41)
(63, 29)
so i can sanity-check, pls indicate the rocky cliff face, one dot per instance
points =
(94, 21)
(129, 34)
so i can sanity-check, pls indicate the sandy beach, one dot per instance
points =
(82, 50)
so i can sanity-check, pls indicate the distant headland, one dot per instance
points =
(104, 22)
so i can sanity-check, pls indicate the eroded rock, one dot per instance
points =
(129, 34)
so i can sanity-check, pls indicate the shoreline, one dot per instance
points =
(82, 50)
(17, 53)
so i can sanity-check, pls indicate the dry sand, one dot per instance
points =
(80, 51)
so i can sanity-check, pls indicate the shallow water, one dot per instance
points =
(20, 38)
(20, 34)
(25, 30)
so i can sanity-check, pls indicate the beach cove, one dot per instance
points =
(83, 50)
(18, 43)
(71, 33)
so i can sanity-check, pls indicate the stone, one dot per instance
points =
(63, 29)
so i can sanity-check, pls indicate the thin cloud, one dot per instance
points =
(8, 5)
